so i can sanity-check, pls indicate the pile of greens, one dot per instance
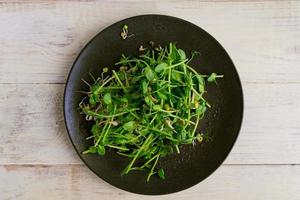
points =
(148, 108)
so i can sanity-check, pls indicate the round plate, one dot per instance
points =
(222, 121)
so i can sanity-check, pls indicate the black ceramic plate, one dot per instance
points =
(222, 121)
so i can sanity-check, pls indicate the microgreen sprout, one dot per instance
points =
(124, 33)
(148, 108)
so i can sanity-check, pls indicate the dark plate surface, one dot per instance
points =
(222, 121)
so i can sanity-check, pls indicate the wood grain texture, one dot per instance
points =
(42, 39)
(77, 182)
(33, 131)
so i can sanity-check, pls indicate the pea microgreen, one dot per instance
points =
(148, 108)
(125, 33)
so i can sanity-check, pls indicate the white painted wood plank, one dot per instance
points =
(32, 128)
(270, 132)
(40, 40)
(32, 125)
(77, 182)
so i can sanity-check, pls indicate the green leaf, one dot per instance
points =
(201, 88)
(101, 150)
(92, 101)
(181, 54)
(176, 76)
(156, 107)
(94, 89)
(105, 69)
(94, 98)
(107, 98)
(92, 149)
(121, 76)
(167, 107)
(174, 55)
(129, 118)
(124, 100)
(145, 87)
(121, 141)
(129, 126)
(96, 130)
(136, 79)
(212, 77)
(201, 83)
(201, 109)
(136, 95)
(200, 79)
(183, 135)
(199, 138)
(148, 101)
(161, 174)
(161, 67)
(162, 95)
(149, 73)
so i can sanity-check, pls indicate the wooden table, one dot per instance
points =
(39, 41)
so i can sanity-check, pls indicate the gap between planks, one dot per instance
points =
(116, 1)
(83, 165)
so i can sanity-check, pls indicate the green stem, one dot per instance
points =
(135, 60)
(103, 84)
(109, 124)
(177, 149)
(158, 131)
(100, 136)
(153, 119)
(177, 64)
(149, 161)
(92, 113)
(128, 168)
(197, 93)
(175, 116)
(151, 172)
(169, 88)
(180, 72)
(134, 115)
(194, 71)
(124, 154)
(117, 147)
(172, 139)
(117, 77)
(196, 125)
(115, 88)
